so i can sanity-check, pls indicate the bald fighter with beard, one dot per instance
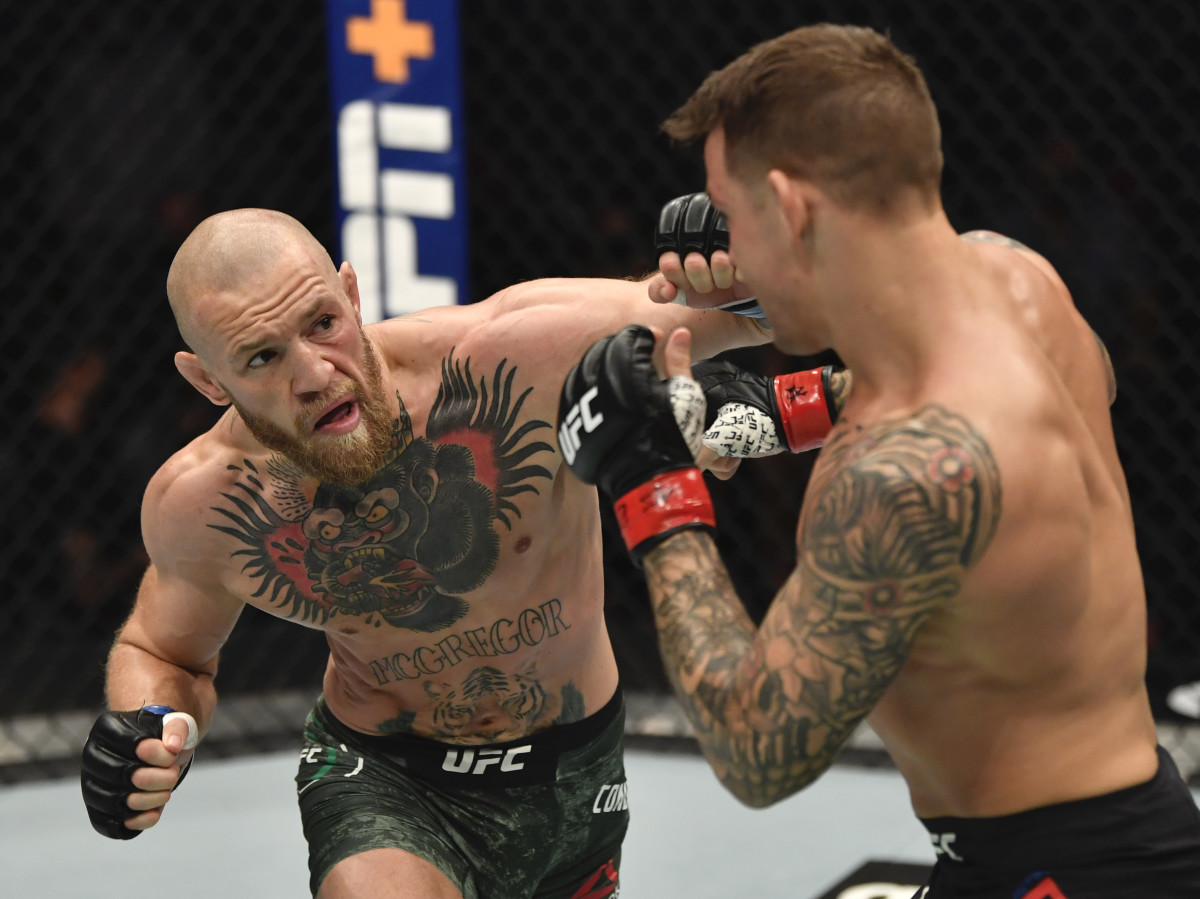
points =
(399, 487)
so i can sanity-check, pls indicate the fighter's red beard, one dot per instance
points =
(347, 459)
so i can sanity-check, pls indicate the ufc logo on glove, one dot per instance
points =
(579, 416)
(618, 430)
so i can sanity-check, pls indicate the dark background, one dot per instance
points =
(1070, 126)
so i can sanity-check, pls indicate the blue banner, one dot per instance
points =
(401, 188)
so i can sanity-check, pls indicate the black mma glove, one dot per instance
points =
(691, 224)
(617, 430)
(109, 760)
(752, 415)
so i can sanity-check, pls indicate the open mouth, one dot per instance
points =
(338, 413)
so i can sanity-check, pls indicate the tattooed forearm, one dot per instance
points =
(734, 687)
(894, 517)
(705, 636)
(703, 629)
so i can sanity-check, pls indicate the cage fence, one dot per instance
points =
(1067, 126)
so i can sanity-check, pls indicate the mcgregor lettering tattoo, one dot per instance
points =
(502, 637)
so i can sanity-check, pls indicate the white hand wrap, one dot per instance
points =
(744, 432)
(193, 736)
(687, 402)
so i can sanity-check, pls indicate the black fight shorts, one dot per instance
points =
(1142, 842)
(538, 818)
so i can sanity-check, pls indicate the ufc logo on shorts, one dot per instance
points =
(941, 845)
(580, 416)
(460, 761)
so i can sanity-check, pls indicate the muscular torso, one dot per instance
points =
(1026, 687)
(460, 588)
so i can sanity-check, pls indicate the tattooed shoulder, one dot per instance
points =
(899, 512)
(901, 509)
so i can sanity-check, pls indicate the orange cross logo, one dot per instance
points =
(390, 39)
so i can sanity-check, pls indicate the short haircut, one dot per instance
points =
(840, 106)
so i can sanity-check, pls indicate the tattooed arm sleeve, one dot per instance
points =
(894, 517)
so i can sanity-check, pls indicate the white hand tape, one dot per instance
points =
(743, 432)
(193, 736)
(687, 402)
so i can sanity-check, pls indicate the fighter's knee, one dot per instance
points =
(386, 874)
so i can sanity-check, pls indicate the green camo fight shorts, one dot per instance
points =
(540, 817)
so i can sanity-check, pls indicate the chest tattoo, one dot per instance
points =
(401, 547)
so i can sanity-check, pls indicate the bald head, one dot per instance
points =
(228, 251)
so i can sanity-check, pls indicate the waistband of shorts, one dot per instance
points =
(1147, 817)
(529, 760)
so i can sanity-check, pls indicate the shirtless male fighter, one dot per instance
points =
(966, 573)
(399, 487)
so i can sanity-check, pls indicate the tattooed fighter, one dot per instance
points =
(397, 486)
(966, 575)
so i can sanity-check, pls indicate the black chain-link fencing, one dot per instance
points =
(1070, 126)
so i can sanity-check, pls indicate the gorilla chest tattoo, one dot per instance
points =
(400, 548)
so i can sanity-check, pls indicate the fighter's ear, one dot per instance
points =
(349, 281)
(197, 375)
(793, 199)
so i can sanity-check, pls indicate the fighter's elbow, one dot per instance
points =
(759, 789)
(756, 798)
(753, 799)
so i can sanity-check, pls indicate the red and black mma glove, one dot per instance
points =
(617, 430)
(109, 760)
(691, 224)
(750, 415)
